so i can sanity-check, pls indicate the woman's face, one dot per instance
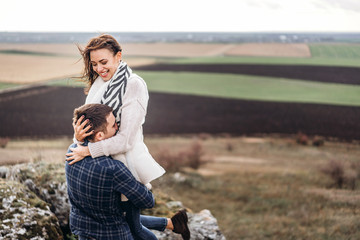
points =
(104, 62)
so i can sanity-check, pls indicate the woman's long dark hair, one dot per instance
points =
(103, 41)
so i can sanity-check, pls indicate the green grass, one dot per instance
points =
(243, 87)
(252, 88)
(318, 61)
(349, 51)
(23, 52)
(346, 55)
(67, 82)
(240, 87)
(4, 85)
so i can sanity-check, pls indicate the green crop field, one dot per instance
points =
(252, 87)
(245, 87)
(319, 61)
(348, 51)
(256, 87)
(22, 52)
(345, 55)
(4, 85)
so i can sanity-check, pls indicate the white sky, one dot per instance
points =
(184, 15)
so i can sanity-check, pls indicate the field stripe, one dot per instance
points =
(345, 75)
(252, 88)
(238, 86)
(342, 51)
(313, 61)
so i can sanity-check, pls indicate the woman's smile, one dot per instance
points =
(104, 74)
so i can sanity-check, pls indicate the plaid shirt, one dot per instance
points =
(94, 188)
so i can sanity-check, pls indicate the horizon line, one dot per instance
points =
(244, 32)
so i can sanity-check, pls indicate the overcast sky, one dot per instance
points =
(184, 15)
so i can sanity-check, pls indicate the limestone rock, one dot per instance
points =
(203, 225)
(3, 171)
(24, 216)
(48, 182)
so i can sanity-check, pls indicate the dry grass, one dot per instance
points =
(268, 188)
(264, 188)
(34, 150)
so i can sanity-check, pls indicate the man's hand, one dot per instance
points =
(81, 132)
(77, 154)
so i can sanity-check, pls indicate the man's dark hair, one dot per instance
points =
(97, 114)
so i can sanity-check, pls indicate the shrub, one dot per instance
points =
(173, 162)
(170, 161)
(302, 139)
(344, 175)
(4, 142)
(355, 167)
(335, 169)
(229, 147)
(193, 155)
(318, 141)
(350, 177)
(204, 136)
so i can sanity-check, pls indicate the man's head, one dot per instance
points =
(100, 117)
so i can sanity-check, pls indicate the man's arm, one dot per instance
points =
(135, 191)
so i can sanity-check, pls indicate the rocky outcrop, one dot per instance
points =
(24, 215)
(48, 182)
(38, 206)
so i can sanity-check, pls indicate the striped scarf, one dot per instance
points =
(116, 90)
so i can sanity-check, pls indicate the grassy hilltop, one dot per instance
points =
(260, 187)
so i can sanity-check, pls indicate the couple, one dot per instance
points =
(106, 193)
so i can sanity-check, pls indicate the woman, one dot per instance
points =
(112, 82)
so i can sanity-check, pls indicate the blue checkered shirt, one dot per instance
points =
(94, 188)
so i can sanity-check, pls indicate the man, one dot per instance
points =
(95, 185)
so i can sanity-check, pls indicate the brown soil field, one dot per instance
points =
(46, 111)
(201, 50)
(270, 50)
(344, 75)
(62, 61)
(129, 49)
(175, 49)
(28, 69)
(24, 69)
(64, 49)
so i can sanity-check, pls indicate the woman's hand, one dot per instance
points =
(81, 132)
(77, 154)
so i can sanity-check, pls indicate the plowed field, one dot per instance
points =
(46, 111)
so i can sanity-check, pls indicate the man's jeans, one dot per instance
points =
(140, 224)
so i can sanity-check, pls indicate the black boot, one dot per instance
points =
(180, 220)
